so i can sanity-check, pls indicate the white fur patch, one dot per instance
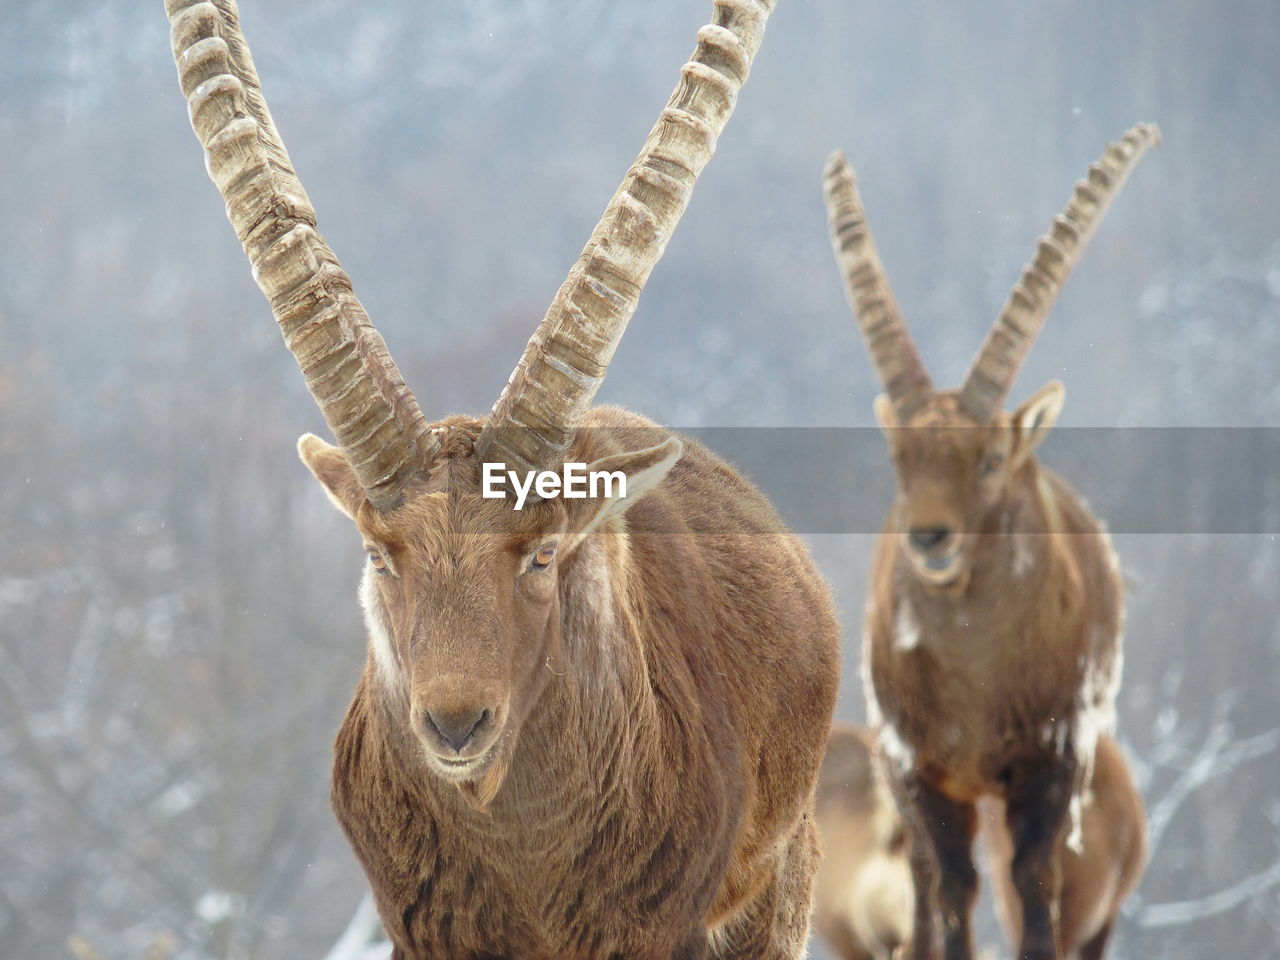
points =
(1024, 559)
(1109, 548)
(1054, 733)
(1046, 732)
(1096, 703)
(906, 628)
(874, 715)
(1075, 836)
(591, 633)
(893, 748)
(896, 750)
(380, 642)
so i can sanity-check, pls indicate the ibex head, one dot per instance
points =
(953, 473)
(461, 591)
(956, 453)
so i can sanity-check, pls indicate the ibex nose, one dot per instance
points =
(456, 728)
(926, 538)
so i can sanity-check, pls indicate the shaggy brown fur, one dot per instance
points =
(992, 655)
(659, 700)
(863, 894)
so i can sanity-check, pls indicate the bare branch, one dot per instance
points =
(1218, 756)
(1186, 911)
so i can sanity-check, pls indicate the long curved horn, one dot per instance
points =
(533, 421)
(893, 352)
(994, 368)
(363, 398)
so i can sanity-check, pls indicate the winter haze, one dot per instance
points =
(179, 634)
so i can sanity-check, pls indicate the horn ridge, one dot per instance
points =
(344, 360)
(1032, 297)
(884, 331)
(564, 363)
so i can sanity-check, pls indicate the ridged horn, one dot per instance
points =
(363, 398)
(996, 365)
(533, 421)
(893, 352)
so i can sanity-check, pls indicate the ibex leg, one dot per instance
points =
(942, 868)
(1037, 803)
(1096, 948)
(776, 925)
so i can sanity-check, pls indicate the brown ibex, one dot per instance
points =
(992, 653)
(863, 893)
(591, 727)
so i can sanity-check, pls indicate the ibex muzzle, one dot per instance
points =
(459, 720)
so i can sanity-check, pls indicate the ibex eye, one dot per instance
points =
(992, 462)
(378, 561)
(542, 559)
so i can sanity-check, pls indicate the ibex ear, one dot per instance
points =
(330, 467)
(643, 470)
(886, 416)
(1035, 418)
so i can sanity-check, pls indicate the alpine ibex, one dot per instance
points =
(992, 653)
(863, 893)
(590, 727)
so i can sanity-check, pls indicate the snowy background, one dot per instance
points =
(178, 629)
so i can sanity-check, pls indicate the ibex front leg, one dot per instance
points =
(945, 880)
(1037, 803)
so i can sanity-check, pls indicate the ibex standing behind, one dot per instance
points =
(589, 728)
(992, 653)
(863, 895)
